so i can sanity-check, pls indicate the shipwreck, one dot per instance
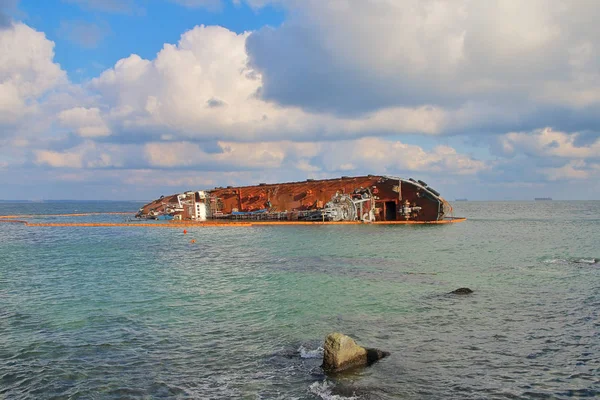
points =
(369, 199)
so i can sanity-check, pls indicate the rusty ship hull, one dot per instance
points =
(371, 198)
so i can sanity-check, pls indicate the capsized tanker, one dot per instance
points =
(371, 198)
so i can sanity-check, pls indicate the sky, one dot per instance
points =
(133, 99)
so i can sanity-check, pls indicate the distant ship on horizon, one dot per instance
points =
(542, 198)
(463, 199)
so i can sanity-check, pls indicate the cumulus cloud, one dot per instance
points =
(56, 159)
(202, 89)
(357, 56)
(172, 179)
(547, 143)
(87, 155)
(87, 122)
(573, 170)
(375, 154)
(230, 155)
(544, 155)
(27, 71)
(361, 156)
(357, 156)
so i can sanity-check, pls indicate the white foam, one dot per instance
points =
(572, 260)
(307, 353)
(323, 390)
(587, 261)
(555, 261)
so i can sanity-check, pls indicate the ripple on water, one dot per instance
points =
(326, 391)
(113, 313)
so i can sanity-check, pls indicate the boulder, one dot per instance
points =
(462, 290)
(341, 352)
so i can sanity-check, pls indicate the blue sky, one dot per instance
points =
(90, 37)
(131, 99)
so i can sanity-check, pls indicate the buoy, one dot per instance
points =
(184, 231)
(193, 241)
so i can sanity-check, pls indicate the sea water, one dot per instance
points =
(242, 312)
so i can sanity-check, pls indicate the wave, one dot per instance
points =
(307, 353)
(587, 261)
(573, 260)
(324, 390)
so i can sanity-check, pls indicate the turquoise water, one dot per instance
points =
(111, 313)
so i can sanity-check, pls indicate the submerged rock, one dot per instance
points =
(462, 290)
(341, 352)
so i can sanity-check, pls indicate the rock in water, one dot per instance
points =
(341, 352)
(462, 290)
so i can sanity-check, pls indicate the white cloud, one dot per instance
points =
(231, 155)
(86, 155)
(374, 154)
(352, 56)
(362, 155)
(572, 170)
(174, 154)
(178, 179)
(202, 89)
(27, 71)
(546, 155)
(87, 122)
(548, 143)
(59, 159)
